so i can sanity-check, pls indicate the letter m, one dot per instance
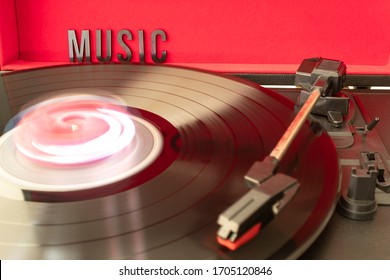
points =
(84, 46)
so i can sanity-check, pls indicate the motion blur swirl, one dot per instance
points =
(74, 130)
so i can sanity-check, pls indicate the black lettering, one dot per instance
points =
(163, 56)
(99, 46)
(125, 47)
(80, 50)
(124, 271)
(141, 44)
(84, 46)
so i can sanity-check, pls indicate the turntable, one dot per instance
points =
(152, 144)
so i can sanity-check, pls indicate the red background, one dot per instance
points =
(268, 36)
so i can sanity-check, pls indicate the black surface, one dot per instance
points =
(377, 104)
(288, 79)
(344, 238)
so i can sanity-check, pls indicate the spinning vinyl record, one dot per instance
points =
(138, 161)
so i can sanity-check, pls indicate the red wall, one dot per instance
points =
(235, 36)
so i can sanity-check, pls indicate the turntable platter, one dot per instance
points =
(213, 128)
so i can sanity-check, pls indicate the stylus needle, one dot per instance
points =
(270, 191)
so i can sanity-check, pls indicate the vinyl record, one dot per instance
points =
(198, 133)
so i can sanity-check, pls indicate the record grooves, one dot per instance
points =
(220, 126)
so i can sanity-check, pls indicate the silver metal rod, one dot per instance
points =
(289, 135)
